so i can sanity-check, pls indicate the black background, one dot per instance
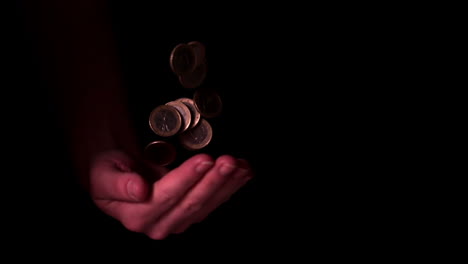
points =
(296, 104)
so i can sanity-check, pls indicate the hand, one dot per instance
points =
(180, 198)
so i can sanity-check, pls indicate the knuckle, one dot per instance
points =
(166, 198)
(191, 207)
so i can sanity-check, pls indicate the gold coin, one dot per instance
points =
(199, 51)
(184, 112)
(208, 103)
(197, 137)
(191, 80)
(193, 110)
(160, 152)
(165, 120)
(182, 59)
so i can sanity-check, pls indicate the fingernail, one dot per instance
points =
(131, 189)
(226, 169)
(204, 166)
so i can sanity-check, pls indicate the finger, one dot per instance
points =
(237, 181)
(140, 217)
(176, 183)
(207, 210)
(198, 196)
(111, 178)
(183, 226)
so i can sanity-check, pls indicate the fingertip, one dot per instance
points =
(202, 158)
(201, 162)
(227, 160)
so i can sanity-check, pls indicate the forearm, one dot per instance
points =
(80, 52)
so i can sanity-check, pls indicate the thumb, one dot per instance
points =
(112, 179)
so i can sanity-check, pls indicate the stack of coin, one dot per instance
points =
(189, 64)
(185, 117)
(181, 117)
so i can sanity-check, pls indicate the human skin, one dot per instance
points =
(80, 63)
(181, 197)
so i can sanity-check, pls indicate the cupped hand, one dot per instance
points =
(179, 198)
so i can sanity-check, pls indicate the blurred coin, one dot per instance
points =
(182, 59)
(195, 78)
(197, 137)
(208, 103)
(193, 110)
(165, 120)
(160, 152)
(199, 51)
(184, 112)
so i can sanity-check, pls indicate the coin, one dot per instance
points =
(199, 51)
(197, 137)
(165, 120)
(191, 80)
(182, 59)
(184, 112)
(208, 103)
(193, 110)
(160, 152)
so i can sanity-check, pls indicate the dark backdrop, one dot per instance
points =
(295, 94)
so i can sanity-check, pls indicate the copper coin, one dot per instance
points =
(160, 152)
(184, 112)
(165, 120)
(199, 51)
(182, 59)
(195, 78)
(197, 137)
(208, 103)
(193, 110)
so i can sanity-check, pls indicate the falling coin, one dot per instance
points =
(182, 59)
(193, 110)
(165, 120)
(199, 51)
(208, 103)
(160, 152)
(197, 137)
(184, 112)
(195, 78)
